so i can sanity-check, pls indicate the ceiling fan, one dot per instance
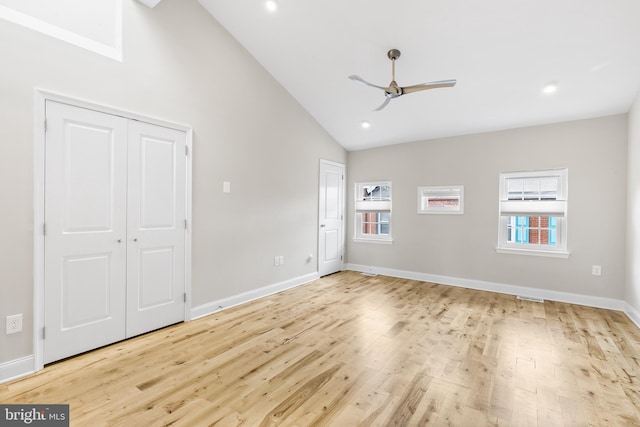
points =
(393, 90)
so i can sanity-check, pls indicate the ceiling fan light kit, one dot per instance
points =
(395, 91)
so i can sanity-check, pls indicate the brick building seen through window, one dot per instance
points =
(375, 223)
(439, 202)
(536, 230)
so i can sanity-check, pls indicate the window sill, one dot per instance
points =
(376, 241)
(534, 252)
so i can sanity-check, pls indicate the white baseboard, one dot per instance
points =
(15, 369)
(232, 301)
(632, 314)
(591, 301)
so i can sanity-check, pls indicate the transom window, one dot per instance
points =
(373, 211)
(533, 212)
(441, 199)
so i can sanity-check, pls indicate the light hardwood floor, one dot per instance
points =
(352, 350)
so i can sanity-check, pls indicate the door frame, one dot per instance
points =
(41, 96)
(342, 221)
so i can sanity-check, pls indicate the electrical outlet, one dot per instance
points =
(276, 261)
(596, 270)
(14, 324)
(281, 259)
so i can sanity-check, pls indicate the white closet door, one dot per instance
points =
(331, 242)
(155, 227)
(85, 220)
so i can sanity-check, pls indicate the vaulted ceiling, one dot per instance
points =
(502, 53)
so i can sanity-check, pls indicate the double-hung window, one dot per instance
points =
(533, 212)
(373, 211)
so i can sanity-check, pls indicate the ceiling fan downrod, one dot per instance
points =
(393, 54)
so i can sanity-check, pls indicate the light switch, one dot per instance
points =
(226, 187)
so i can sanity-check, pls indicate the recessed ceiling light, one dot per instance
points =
(550, 88)
(271, 5)
(365, 125)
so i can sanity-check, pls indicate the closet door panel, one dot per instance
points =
(85, 220)
(156, 227)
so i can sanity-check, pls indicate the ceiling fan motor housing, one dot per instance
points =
(393, 54)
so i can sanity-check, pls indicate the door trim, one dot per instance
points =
(342, 222)
(40, 98)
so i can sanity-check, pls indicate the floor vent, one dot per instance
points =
(532, 299)
(370, 274)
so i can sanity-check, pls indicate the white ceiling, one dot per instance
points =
(502, 52)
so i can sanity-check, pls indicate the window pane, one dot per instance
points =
(532, 188)
(369, 223)
(514, 189)
(532, 230)
(548, 188)
(385, 192)
(375, 223)
(374, 192)
(367, 192)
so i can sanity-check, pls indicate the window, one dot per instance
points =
(533, 212)
(373, 211)
(441, 200)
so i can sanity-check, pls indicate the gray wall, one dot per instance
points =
(633, 211)
(463, 246)
(179, 65)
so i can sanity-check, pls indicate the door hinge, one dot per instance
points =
(185, 224)
(44, 228)
(186, 150)
(340, 257)
(185, 297)
(44, 335)
(45, 125)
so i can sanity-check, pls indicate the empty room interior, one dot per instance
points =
(321, 213)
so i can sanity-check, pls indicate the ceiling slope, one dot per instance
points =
(501, 52)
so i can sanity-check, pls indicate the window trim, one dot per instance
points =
(377, 206)
(557, 208)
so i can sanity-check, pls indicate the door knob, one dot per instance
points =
(322, 225)
(119, 240)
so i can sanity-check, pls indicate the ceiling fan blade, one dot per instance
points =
(364, 82)
(384, 104)
(430, 85)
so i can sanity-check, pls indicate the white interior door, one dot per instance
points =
(156, 227)
(115, 216)
(331, 217)
(85, 222)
